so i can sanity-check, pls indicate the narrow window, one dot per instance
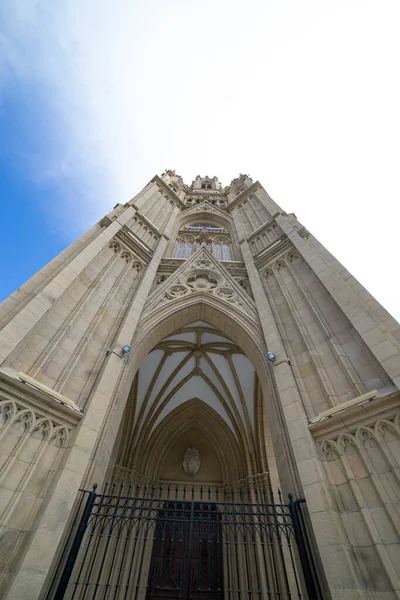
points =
(225, 251)
(188, 251)
(218, 251)
(181, 247)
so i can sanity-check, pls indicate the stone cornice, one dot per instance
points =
(384, 406)
(134, 243)
(169, 191)
(208, 208)
(273, 250)
(14, 390)
(149, 224)
(260, 229)
(247, 192)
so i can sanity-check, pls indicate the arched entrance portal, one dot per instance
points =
(199, 519)
(195, 393)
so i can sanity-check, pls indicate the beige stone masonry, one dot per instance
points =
(122, 282)
(89, 455)
(24, 321)
(376, 335)
(311, 481)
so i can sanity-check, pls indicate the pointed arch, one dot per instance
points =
(194, 414)
(164, 321)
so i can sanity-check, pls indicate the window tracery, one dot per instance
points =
(204, 235)
(185, 246)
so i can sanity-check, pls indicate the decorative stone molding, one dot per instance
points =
(373, 419)
(260, 480)
(128, 250)
(191, 461)
(244, 195)
(20, 401)
(169, 193)
(122, 474)
(279, 261)
(273, 252)
(202, 273)
(375, 432)
(204, 207)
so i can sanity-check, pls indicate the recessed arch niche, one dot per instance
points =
(196, 387)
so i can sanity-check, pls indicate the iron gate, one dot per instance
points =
(173, 543)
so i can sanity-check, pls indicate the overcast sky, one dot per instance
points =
(96, 96)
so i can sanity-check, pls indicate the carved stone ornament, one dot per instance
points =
(177, 291)
(202, 281)
(191, 461)
(203, 274)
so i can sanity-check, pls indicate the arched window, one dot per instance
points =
(185, 246)
(181, 249)
(188, 250)
(225, 252)
(222, 249)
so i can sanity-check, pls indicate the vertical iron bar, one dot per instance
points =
(304, 557)
(129, 529)
(190, 554)
(76, 544)
(226, 522)
(279, 509)
(235, 543)
(69, 537)
(181, 547)
(271, 543)
(141, 509)
(244, 522)
(264, 530)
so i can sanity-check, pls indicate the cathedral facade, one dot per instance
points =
(197, 341)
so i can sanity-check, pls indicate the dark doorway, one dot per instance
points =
(186, 560)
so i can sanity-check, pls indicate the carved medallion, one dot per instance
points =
(202, 281)
(191, 461)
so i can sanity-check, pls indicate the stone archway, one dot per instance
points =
(194, 383)
(272, 450)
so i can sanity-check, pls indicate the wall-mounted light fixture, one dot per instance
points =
(125, 350)
(272, 359)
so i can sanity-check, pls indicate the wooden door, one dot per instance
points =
(186, 560)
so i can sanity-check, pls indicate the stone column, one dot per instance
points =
(298, 462)
(90, 451)
(377, 328)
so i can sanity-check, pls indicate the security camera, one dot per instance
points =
(126, 349)
(271, 356)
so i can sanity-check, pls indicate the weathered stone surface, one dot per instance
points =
(202, 281)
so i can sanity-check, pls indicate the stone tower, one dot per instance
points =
(203, 281)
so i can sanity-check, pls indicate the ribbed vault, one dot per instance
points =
(194, 380)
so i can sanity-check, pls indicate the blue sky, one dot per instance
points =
(98, 96)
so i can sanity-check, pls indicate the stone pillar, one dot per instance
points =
(381, 335)
(299, 465)
(91, 449)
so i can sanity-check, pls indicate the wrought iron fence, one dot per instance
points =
(174, 543)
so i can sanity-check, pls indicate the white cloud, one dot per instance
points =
(302, 95)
